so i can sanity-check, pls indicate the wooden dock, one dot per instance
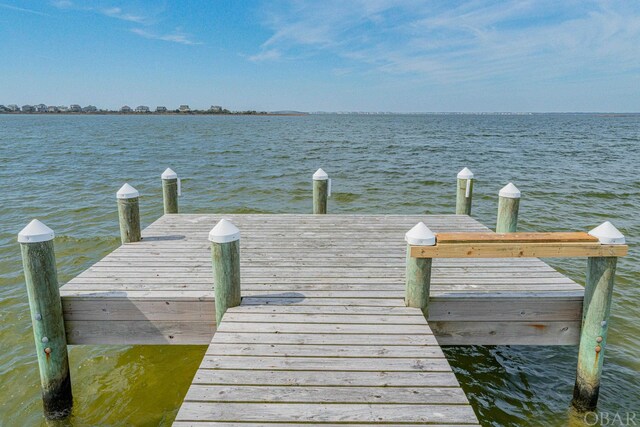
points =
(160, 290)
(322, 334)
(323, 319)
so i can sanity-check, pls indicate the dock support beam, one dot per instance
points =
(170, 191)
(38, 259)
(418, 273)
(464, 192)
(129, 214)
(595, 320)
(321, 184)
(225, 255)
(508, 205)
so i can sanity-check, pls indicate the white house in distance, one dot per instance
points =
(161, 109)
(126, 109)
(215, 109)
(184, 109)
(142, 109)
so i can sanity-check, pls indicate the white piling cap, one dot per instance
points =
(169, 174)
(420, 235)
(35, 232)
(320, 175)
(127, 192)
(465, 174)
(608, 234)
(510, 191)
(224, 232)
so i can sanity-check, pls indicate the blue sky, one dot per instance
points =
(346, 55)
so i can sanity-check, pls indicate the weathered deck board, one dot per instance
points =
(161, 289)
(370, 367)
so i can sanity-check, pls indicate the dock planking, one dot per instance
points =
(268, 364)
(160, 290)
(322, 335)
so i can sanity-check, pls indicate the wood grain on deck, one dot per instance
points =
(279, 363)
(161, 289)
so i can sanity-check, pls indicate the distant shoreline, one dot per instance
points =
(300, 113)
(151, 113)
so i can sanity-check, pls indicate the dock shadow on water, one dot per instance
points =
(123, 374)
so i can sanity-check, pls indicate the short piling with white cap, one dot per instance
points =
(41, 278)
(508, 206)
(225, 255)
(170, 191)
(464, 192)
(598, 291)
(129, 214)
(418, 270)
(321, 183)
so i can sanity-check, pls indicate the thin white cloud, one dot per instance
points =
(62, 4)
(117, 13)
(111, 12)
(265, 55)
(175, 37)
(476, 40)
(21, 9)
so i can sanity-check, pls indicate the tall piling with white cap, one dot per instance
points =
(596, 307)
(170, 191)
(464, 192)
(508, 206)
(320, 191)
(418, 271)
(225, 255)
(41, 278)
(129, 214)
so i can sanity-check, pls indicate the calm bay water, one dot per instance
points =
(575, 171)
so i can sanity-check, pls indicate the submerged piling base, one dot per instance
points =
(57, 398)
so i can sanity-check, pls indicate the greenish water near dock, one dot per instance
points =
(574, 171)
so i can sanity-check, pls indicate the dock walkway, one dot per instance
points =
(325, 364)
(322, 334)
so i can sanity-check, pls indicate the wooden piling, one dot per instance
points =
(418, 270)
(225, 254)
(129, 214)
(464, 192)
(170, 191)
(595, 320)
(508, 205)
(38, 258)
(320, 191)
